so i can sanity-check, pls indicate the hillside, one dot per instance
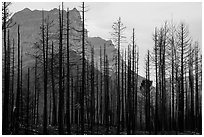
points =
(30, 22)
(30, 36)
(57, 80)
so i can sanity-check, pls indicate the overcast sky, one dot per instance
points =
(144, 17)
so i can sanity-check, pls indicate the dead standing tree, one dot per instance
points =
(183, 44)
(44, 78)
(118, 36)
(68, 79)
(6, 23)
(61, 91)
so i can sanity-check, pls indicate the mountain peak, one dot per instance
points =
(55, 9)
(74, 9)
(26, 10)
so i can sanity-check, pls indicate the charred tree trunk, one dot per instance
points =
(196, 89)
(12, 89)
(101, 87)
(54, 107)
(92, 91)
(27, 110)
(68, 83)
(122, 90)
(83, 71)
(18, 87)
(191, 84)
(5, 121)
(181, 97)
(61, 92)
(156, 96)
(35, 110)
(45, 79)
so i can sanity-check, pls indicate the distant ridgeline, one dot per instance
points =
(30, 23)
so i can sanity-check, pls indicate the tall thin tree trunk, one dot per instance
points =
(191, 84)
(125, 92)
(21, 87)
(136, 85)
(27, 110)
(118, 84)
(172, 82)
(45, 80)
(72, 99)
(5, 120)
(8, 70)
(18, 86)
(101, 87)
(148, 94)
(61, 93)
(35, 110)
(54, 111)
(97, 96)
(122, 90)
(92, 91)
(196, 89)
(128, 104)
(186, 101)
(133, 83)
(68, 84)
(181, 102)
(83, 71)
(156, 96)
(12, 88)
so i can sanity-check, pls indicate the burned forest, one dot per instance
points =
(57, 80)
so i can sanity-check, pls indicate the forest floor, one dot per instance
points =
(97, 130)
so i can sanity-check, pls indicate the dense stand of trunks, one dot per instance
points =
(92, 98)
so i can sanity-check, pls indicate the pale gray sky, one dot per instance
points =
(144, 17)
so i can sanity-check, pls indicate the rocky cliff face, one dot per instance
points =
(30, 23)
(30, 33)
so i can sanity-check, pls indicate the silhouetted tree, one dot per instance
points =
(21, 104)
(54, 107)
(147, 103)
(101, 88)
(92, 90)
(106, 90)
(118, 36)
(5, 25)
(61, 92)
(136, 85)
(18, 85)
(191, 84)
(122, 91)
(35, 104)
(156, 67)
(196, 88)
(128, 104)
(12, 87)
(172, 43)
(133, 82)
(68, 83)
(83, 70)
(183, 44)
(27, 104)
(44, 78)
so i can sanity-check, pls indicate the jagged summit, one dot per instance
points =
(30, 23)
(26, 10)
(74, 9)
(55, 9)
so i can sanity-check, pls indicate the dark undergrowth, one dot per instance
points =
(97, 130)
